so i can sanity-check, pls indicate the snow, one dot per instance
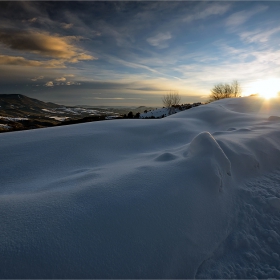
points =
(4, 126)
(13, 119)
(164, 112)
(192, 195)
(49, 111)
(62, 119)
(111, 117)
(158, 113)
(75, 111)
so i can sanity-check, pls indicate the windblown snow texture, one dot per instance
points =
(192, 195)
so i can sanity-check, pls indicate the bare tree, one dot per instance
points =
(171, 99)
(221, 91)
(237, 90)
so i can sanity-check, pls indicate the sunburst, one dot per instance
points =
(267, 88)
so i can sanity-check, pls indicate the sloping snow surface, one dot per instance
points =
(196, 194)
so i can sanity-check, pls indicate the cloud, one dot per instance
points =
(31, 20)
(37, 78)
(62, 79)
(160, 40)
(241, 17)
(205, 76)
(147, 88)
(44, 44)
(116, 98)
(267, 57)
(21, 61)
(17, 60)
(61, 82)
(137, 66)
(49, 84)
(203, 13)
(66, 25)
(258, 35)
(80, 57)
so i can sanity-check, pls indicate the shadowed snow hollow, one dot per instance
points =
(133, 198)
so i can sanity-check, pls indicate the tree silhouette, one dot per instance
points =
(171, 99)
(220, 91)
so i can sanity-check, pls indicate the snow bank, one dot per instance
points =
(141, 198)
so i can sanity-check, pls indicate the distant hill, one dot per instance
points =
(19, 112)
(21, 105)
(21, 100)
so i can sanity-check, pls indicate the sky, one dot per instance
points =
(106, 53)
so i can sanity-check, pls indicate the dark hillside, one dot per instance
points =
(21, 105)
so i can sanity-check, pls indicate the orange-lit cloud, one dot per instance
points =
(62, 79)
(43, 44)
(37, 78)
(49, 84)
(21, 61)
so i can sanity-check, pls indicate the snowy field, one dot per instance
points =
(193, 195)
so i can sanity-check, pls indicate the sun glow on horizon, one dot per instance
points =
(267, 88)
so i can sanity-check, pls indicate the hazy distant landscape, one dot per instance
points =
(18, 112)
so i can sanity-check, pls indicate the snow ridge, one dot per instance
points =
(195, 194)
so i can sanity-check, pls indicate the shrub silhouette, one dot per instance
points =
(171, 99)
(220, 91)
(130, 115)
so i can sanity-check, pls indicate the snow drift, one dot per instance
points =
(145, 198)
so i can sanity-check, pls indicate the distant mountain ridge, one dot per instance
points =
(19, 103)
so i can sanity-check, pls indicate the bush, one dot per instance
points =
(171, 99)
(130, 115)
(225, 90)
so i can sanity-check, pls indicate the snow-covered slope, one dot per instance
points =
(195, 194)
(165, 112)
(157, 113)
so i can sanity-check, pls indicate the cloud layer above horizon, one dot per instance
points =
(131, 53)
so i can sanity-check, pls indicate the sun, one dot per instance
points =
(267, 88)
